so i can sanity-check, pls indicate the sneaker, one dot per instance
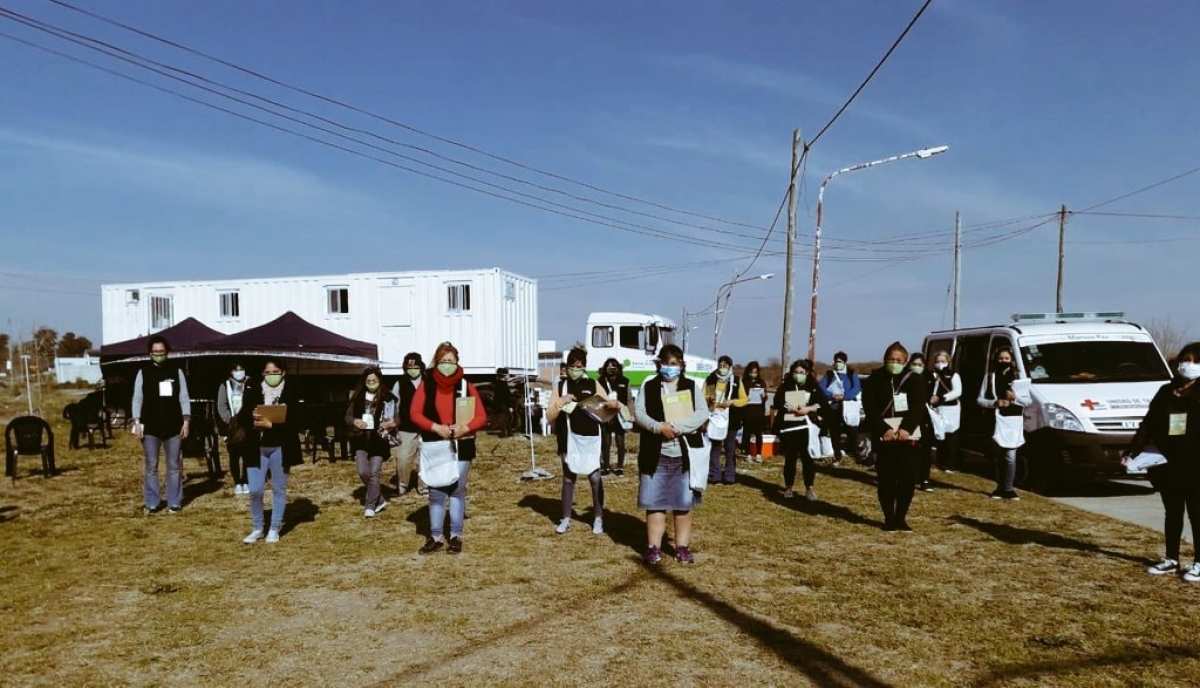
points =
(430, 546)
(563, 526)
(245, 489)
(788, 493)
(810, 494)
(903, 527)
(369, 513)
(381, 505)
(151, 510)
(254, 536)
(1011, 496)
(1167, 566)
(272, 537)
(683, 555)
(598, 526)
(948, 470)
(997, 494)
(925, 487)
(605, 471)
(455, 546)
(619, 472)
(1192, 575)
(174, 509)
(653, 555)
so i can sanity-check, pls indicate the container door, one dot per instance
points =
(396, 336)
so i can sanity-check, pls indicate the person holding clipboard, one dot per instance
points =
(371, 409)
(895, 408)
(1172, 426)
(448, 411)
(583, 438)
(794, 418)
(273, 407)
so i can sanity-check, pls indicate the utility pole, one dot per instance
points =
(957, 264)
(1062, 235)
(791, 244)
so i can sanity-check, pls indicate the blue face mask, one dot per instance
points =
(669, 372)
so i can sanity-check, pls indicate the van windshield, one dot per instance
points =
(1094, 361)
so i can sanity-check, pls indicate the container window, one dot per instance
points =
(132, 296)
(338, 300)
(230, 304)
(458, 298)
(162, 313)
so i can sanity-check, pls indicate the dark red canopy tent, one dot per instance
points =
(184, 338)
(291, 336)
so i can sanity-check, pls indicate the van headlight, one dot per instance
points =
(1061, 418)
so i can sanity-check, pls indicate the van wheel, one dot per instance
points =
(1035, 471)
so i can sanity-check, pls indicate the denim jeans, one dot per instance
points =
(457, 494)
(150, 485)
(269, 459)
(725, 472)
(1006, 467)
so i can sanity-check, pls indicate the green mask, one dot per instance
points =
(800, 377)
(895, 368)
(917, 369)
(447, 369)
(372, 386)
(158, 359)
(274, 379)
(839, 366)
(574, 373)
(414, 373)
(722, 371)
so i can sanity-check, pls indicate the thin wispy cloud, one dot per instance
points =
(240, 182)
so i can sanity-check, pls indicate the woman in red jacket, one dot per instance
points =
(434, 413)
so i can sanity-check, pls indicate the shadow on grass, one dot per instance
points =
(772, 493)
(194, 489)
(8, 513)
(624, 529)
(419, 517)
(1043, 672)
(299, 511)
(1023, 536)
(820, 666)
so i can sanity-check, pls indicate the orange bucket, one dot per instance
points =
(768, 448)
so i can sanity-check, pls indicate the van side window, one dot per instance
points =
(970, 360)
(935, 345)
(631, 337)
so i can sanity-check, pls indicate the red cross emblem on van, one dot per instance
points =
(1091, 405)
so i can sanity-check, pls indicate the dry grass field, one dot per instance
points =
(784, 592)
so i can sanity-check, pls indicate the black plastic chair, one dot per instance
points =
(24, 435)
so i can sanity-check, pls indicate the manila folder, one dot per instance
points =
(678, 406)
(464, 410)
(276, 413)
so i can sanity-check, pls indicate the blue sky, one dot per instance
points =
(689, 105)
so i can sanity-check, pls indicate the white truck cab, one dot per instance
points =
(1093, 376)
(635, 339)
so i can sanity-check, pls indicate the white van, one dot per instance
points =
(635, 339)
(1093, 377)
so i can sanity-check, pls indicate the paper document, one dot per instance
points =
(894, 423)
(756, 395)
(276, 413)
(464, 410)
(597, 407)
(796, 398)
(1146, 459)
(678, 406)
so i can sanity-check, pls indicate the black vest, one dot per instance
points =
(161, 416)
(650, 444)
(579, 422)
(466, 445)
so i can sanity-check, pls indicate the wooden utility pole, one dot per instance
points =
(791, 244)
(957, 264)
(1062, 234)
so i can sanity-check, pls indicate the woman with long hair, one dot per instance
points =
(754, 414)
(998, 394)
(894, 408)
(946, 390)
(370, 409)
(798, 401)
(583, 439)
(278, 443)
(445, 431)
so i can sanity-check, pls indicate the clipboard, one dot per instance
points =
(756, 395)
(795, 398)
(678, 406)
(464, 410)
(276, 413)
(894, 423)
(596, 406)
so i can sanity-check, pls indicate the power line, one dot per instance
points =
(416, 130)
(1144, 189)
(865, 81)
(1152, 216)
(572, 212)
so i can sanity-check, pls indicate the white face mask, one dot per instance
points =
(239, 375)
(941, 365)
(1189, 371)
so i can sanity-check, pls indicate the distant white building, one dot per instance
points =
(490, 314)
(74, 369)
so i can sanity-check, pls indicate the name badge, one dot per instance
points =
(164, 388)
(1177, 424)
(900, 403)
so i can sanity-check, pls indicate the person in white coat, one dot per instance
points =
(946, 388)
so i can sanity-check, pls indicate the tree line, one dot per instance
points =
(42, 348)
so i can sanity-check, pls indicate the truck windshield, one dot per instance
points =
(667, 334)
(1094, 361)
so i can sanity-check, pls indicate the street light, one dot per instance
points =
(922, 154)
(727, 288)
(688, 327)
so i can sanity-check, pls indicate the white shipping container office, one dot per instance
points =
(489, 314)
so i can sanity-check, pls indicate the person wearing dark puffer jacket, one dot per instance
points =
(1172, 425)
(894, 409)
